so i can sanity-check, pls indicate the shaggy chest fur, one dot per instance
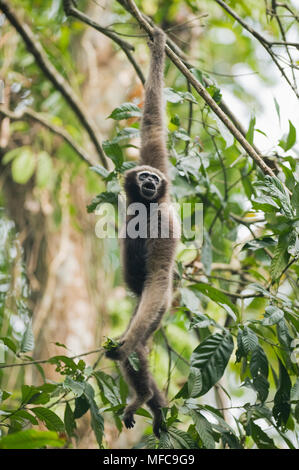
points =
(135, 262)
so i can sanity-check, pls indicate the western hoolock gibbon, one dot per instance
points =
(148, 261)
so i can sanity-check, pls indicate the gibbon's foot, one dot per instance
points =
(158, 424)
(116, 354)
(129, 420)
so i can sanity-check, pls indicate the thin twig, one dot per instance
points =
(44, 361)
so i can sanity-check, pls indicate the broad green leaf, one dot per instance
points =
(69, 420)
(272, 315)
(262, 440)
(181, 439)
(295, 199)
(72, 385)
(44, 169)
(217, 296)
(9, 156)
(204, 429)
(282, 407)
(249, 340)
(31, 439)
(113, 151)
(49, 418)
(109, 197)
(194, 382)
(290, 140)
(125, 111)
(9, 343)
(174, 96)
(81, 406)
(259, 363)
(211, 358)
(190, 299)
(27, 343)
(23, 166)
(281, 256)
(108, 388)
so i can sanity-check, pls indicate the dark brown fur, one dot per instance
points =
(148, 262)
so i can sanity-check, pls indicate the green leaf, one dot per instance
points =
(194, 382)
(273, 315)
(31, 439)
(211, 358)
(100, 170)
(9, 343)
(265, 203)
(249, 340)
(174, 96)
(281, 257)
(44, 169)
(261, 385)
(69, 420)
(295, 199)
(262, 440)
(23, 414)
(282, 407)
(108, 387)
(277, 109)
(28, 392)
(181, 439)
(109, 197)
(250, 132)
(73, 386)
(204, 429)
(217, 296)
(81, 407)
(97, 421)
(49, 418)
(290, 140)
(27, 343)
(125, 111)
(259, 363)
(113, 151)
(23, 166)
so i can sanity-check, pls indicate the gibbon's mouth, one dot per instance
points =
(148, 189)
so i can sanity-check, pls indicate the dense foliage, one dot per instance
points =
(228, 347)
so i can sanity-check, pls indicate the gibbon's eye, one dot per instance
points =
(143, 176)
(155, 178)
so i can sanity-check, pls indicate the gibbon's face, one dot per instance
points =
(145, 183)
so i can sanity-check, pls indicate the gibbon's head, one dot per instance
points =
(145, 184)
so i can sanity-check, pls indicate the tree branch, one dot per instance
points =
(263, 41)
(39, 118)
(132, 8)
(35, 48)
(44, 361)
(124, 45)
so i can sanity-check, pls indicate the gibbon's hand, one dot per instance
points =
(158, 38)
(116, 354)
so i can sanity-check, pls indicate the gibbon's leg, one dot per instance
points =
(153, 140)
(145, 390)
(155, 404)
(140, 381)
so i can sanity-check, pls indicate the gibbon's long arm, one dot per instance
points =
(153, 146)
